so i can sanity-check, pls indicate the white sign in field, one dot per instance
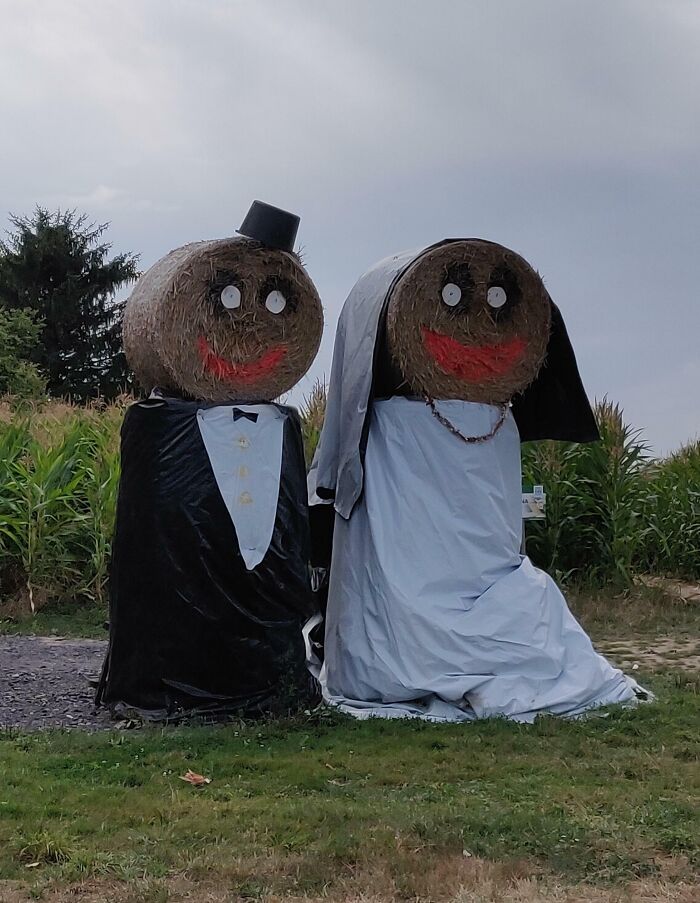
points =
(534, 504)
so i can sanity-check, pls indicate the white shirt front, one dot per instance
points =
(246, 457)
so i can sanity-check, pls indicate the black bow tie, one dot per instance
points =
(237, 414)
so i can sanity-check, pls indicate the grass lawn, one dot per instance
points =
(325, 807)
(62, 619)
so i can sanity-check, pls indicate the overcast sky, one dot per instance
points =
(567, 130)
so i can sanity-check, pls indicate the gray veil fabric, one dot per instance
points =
(554, 406)
(336, 472)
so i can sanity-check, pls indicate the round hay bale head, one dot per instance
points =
(225, 320)
(469, 320)
(138, 325)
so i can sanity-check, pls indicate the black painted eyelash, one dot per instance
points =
(275, 284)
(504, 278)
(459, 275)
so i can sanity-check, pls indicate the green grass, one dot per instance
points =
(642, 611)
(607, 799)
(69, 619)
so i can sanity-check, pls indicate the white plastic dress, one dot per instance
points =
(432, 610)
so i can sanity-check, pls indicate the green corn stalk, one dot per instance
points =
(312, 412)
(611, 511)
(670, 540)
(100, 486)
(14, 442)
(46, 524)
(595, 499)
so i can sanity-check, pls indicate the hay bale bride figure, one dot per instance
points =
(445, 359)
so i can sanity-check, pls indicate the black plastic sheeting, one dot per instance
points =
(192, 631)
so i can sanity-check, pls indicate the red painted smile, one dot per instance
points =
(472, 363)
(240, 373)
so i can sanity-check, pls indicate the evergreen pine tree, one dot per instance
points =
(57, 265)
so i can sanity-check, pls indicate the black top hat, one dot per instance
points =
(270, 225)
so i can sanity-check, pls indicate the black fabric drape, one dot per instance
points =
(555, 405)
(191, 629)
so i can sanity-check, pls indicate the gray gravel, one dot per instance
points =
(45, 683)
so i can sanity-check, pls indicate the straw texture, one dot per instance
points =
(468, 350)
(178, 335)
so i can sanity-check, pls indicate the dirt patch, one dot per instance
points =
(486, 883)
(687, 592)
(45, 682)
(654, 653)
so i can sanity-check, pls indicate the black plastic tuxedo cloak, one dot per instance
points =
(209, 582)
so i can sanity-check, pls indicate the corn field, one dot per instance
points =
(59, 472)
(613, 512)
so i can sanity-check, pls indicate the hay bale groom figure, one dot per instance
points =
(210, 579)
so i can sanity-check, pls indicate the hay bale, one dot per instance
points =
(138, 326)
(469, 320)
(181, 336)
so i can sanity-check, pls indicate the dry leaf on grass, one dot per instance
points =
(191, 777)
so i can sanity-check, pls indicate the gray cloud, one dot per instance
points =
(568, 131)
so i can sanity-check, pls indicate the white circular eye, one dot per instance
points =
(275, 302)
(451, 294)
(231, 297)
(496, 296)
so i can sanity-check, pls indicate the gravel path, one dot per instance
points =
(44, 683)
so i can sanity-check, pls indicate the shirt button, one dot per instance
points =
(243, 442)
(245, 498)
